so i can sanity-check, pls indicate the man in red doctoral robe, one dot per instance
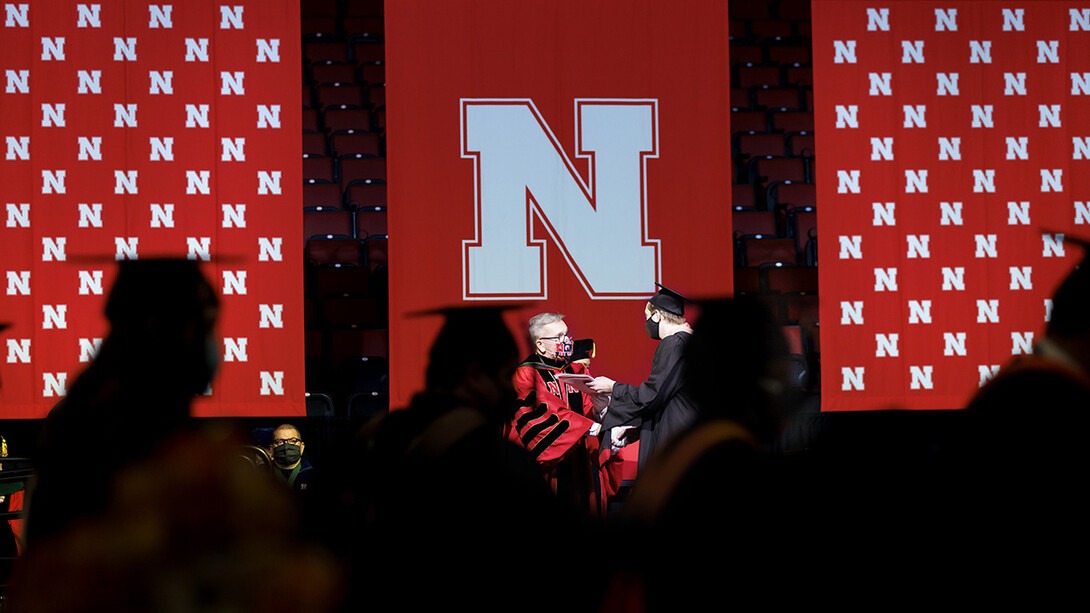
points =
(555, 418)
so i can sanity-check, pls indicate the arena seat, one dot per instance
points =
(768, 30)
(328, 223)
(344, 280)
(319, 405)
(789, 54)
(742, 55)
(361, 169)
(350, 312)
(319, 170)
(802, 76)
(801, 225)
(372, 74)
(334, 252)
(319, 8)
(333, 73)
(322, 196)
(311, 121)
(319, 27)
(747, 280)
(764, 171)
(371, 221)
(361, 195)
(748, 121)
(787, 279)
(357, 342)
(791, 194)
(340, 96)
(315, 144)
(376, 95)
(801, 144)
(742, 195)
(369, 52)
(364, 374)
(376, 252)
(364, 27)
(752, 145)
(363, 8)
(791, 121)
(759, 76)
(740, 99)
(361, 143)
(364, 405)
(323, 52)
(749, 9)
(751, 222)
(757, 251)
(346, 120)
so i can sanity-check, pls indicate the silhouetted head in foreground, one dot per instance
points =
(737, 365)
(160, 352)
(473, 359)
(164, 310)
(1069, 324)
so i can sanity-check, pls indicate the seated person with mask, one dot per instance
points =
(287, 453)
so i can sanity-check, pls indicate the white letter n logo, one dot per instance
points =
(521, 172)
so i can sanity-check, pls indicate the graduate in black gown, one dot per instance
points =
(161, 352)
(661, 406)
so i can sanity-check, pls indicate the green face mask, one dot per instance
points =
(287, 454)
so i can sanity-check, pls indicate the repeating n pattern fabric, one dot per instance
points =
(955, 140)
(135, 130)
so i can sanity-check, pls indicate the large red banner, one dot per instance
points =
(563, 154)
(134, 130)
(954, 141)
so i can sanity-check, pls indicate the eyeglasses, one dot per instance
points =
(555, 338)
(281, 441)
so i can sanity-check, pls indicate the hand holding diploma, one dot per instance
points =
(602, 385)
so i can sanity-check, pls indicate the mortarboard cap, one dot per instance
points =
(467, 314)
(582, 349)
(463, 324)
(170, 289)
(469, 334)
(668, 300)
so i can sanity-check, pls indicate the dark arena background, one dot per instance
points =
(346, 174)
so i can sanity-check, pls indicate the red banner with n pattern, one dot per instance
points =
(133, 130)
(956, 159)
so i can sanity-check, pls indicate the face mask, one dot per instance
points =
(563, 347)
(652, 328)
(210, 362)
(287, 454)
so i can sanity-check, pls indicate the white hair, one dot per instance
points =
(539, 321)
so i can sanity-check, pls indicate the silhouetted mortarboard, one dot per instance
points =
(469, 334)
(468, 315)
(668, 300)
(168, 288)
(1071, 302)
(468, 329)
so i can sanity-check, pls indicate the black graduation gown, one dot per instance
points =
(661, 406)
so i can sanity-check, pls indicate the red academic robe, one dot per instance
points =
(552, 423)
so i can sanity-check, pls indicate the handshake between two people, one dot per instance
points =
(599, 390)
